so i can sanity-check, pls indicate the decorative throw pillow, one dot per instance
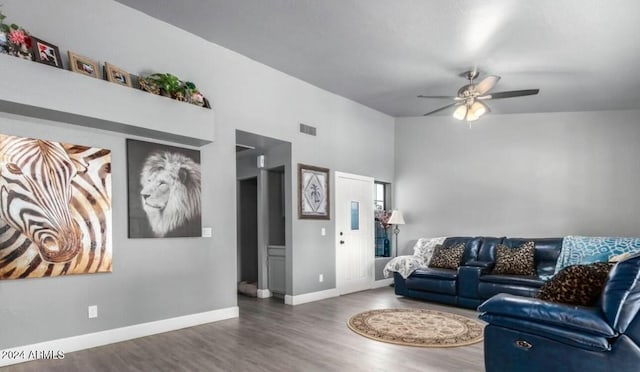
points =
(447, 257)
(576, 284)
(423, 249)
(515, 261)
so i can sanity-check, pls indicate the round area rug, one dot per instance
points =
(417, 327)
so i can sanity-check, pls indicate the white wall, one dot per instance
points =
(525, 175)
(201, 273)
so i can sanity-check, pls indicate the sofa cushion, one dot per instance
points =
(434, 273)
(620, 296)
(530, 281)
(447, 257)
(576, 284)
(441, 281)
(581, 319)
(515, 261)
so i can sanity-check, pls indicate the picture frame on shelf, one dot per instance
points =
(117, 75)
(45, 52)
(84, 65)
(313, 192)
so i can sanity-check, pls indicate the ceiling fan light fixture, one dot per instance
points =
(460, 113)
(478, 109)
(471, 116)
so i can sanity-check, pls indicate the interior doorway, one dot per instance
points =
(248, 230)
(263, 173)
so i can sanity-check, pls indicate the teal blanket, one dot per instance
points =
(587, 249)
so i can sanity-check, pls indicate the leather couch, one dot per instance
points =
(472, 282)
(527, 334)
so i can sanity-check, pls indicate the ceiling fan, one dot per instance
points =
(470, 99)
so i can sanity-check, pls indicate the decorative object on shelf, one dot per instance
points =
(149, 85)
(117, 75)
(171, 86)
(83, 65)
(3, 33)
(396, 219)
(383, 247)
(164, 191)
(55, 215)
(46, 53)
(313, 192)
(15, 40)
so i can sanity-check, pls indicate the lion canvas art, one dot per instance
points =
(164, 190)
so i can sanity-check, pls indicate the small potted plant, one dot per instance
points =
(14, 40)
(169, 85)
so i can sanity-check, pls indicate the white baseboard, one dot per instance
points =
(264, 293)
(67, 345)
(382, 283)
(310, 297)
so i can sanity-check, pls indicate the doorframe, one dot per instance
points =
(372, 274)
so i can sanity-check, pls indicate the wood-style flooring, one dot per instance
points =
(271, 336)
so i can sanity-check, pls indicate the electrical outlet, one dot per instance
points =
(321, 278)
(207, 232)
(93, 311)
(323, 231)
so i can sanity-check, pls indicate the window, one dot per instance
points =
(381, 204)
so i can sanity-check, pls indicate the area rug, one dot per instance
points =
(417, 327)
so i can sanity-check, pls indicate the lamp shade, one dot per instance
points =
(396, 218)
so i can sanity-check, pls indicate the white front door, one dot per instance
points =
(355, 253)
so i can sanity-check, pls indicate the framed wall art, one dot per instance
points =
(46, 53)
(55, 215)
(83, 65)
(164, 190)
(117, 75)
(313, 192)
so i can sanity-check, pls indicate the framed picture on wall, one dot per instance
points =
(313, 192)
(164, 190)
(55, 209)
(117, 75)
(83, 65)
(46, 53)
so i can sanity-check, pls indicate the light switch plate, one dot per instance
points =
(207, 232)
(93, 311)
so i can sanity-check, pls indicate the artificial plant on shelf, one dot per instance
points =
(14, 40)
(171, 86)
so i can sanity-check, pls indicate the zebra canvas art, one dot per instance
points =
(55, 208)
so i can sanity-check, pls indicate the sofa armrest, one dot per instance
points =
(468, 279)
(582, 319)
(485, 265)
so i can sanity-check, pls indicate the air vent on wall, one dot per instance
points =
(307, 129)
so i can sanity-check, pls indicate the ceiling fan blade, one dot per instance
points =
(442, 108)
(443, 97)
(511, 93)
(487, 84)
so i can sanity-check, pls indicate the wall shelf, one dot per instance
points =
(40, 91)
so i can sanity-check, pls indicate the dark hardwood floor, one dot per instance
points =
(271, 336)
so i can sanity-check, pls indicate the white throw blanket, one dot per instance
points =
(406, 265)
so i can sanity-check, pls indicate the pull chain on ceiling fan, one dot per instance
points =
(469, 101)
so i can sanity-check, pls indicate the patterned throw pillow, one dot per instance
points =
(515, 261)
(424, 248)
(447, 257)
(577, 284)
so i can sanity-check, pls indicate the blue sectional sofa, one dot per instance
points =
(528, 334)
(472, 282)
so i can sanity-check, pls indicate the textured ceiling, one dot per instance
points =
(583, 55)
